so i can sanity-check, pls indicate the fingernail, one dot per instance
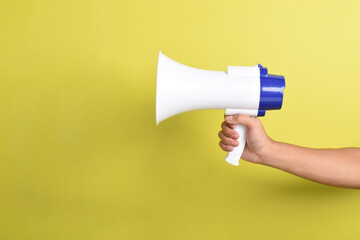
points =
(229, 118)
(233, 136)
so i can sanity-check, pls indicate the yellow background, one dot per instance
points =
(82, 157)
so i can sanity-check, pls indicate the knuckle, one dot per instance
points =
(227, 132)
(226, 141)
(238, 117)
(227, 145)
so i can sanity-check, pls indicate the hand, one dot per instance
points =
(336, 167)
(258, 144)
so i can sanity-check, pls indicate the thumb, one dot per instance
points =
(241, 119)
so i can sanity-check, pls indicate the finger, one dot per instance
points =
(241, 119)
(232, 126)
(229, 132)
(227, 141)
(226, 148)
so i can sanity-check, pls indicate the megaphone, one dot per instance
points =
(247, 90)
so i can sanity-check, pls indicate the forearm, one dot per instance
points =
(337, 167)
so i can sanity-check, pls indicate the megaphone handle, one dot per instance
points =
(234, 156)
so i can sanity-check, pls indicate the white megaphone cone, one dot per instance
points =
(181, 88)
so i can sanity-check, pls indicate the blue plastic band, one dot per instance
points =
(271, 90)
(263, 70)
(261, 113)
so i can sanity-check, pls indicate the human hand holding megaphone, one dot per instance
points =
(246, 90)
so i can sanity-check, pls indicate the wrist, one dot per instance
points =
(268, 152)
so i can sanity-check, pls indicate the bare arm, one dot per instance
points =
(337, 167)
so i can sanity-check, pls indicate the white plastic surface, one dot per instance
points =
(180, 88)
(250, 112)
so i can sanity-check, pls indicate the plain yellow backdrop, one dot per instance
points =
(81, 156)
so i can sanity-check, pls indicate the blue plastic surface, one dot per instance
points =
(271, 90)
(261, 113)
